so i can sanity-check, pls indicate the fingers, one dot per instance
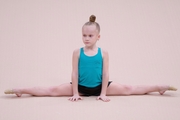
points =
(75, 98)
(104, 99)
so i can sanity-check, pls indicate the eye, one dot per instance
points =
(84, 35)
(90, 35)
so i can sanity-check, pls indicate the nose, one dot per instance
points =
(86, 38)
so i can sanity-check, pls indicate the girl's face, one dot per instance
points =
(90, 35)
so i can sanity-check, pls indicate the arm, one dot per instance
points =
(74, 76)
(105, 77)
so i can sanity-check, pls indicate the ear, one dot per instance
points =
(99, 36)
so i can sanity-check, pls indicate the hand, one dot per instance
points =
(104, 98)
(75, 98)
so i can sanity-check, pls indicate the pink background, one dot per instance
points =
(37, 38)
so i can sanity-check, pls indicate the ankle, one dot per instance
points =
(16, 91)
(163, 87)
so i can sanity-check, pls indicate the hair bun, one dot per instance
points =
(92, 18)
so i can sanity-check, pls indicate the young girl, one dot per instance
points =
(90, 74)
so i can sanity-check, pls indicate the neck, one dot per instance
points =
(94, 47)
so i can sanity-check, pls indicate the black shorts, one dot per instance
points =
(86, 91)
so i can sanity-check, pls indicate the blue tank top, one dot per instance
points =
(90, 69)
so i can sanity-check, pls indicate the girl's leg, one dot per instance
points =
(118, 89)
(61, 90)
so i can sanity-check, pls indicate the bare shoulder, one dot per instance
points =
(104, 53)
(76, 52)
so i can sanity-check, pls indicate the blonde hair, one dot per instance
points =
(91, 21)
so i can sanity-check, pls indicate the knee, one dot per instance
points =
(53, 91)
(128, 89)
